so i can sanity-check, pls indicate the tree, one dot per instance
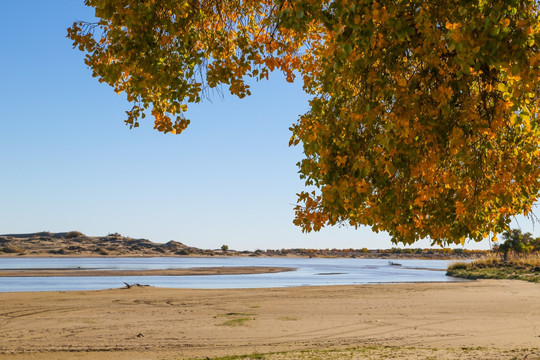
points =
(536, 244)
(516, 242)
(224, 248)
(424, 115)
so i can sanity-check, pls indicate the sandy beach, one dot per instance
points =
(473, 320)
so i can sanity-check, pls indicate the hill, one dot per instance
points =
(74, 243)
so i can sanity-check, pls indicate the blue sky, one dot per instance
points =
(69, 163)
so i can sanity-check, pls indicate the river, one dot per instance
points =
(309, 272)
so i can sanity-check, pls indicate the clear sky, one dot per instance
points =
(69, 163)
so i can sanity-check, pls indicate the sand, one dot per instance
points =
(488, 319)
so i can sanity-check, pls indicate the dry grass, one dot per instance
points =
(393, 352)
(525, 267)
(528, 260)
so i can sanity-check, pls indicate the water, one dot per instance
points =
(310, 272)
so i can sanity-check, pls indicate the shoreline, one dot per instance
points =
(487, 316)
(387, 257)
(197, 271)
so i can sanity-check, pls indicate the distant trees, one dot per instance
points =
(224, 248)
(517, 243)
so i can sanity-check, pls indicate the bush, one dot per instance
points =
(101, 251)
(58, 252)
(183, 252)
(458, 266)
(73, 234)
(12, 249)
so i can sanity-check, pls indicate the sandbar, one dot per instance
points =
(217, 270)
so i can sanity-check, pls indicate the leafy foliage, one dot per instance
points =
(167, 53)
(424, 116)
(421, 124)
(516, 242)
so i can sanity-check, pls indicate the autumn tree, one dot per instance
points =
(424, 114)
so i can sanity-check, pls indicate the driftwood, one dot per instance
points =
(129, 286)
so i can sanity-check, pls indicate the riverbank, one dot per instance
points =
(525, 268)
(487, 317)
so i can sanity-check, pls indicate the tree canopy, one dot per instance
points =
(424, 114)
(516, 242)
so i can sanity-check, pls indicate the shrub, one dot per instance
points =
(101, 251)
(58, 252)
(458, 266)
(12, 249)
(73, 234)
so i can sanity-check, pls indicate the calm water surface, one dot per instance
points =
(310, 272)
